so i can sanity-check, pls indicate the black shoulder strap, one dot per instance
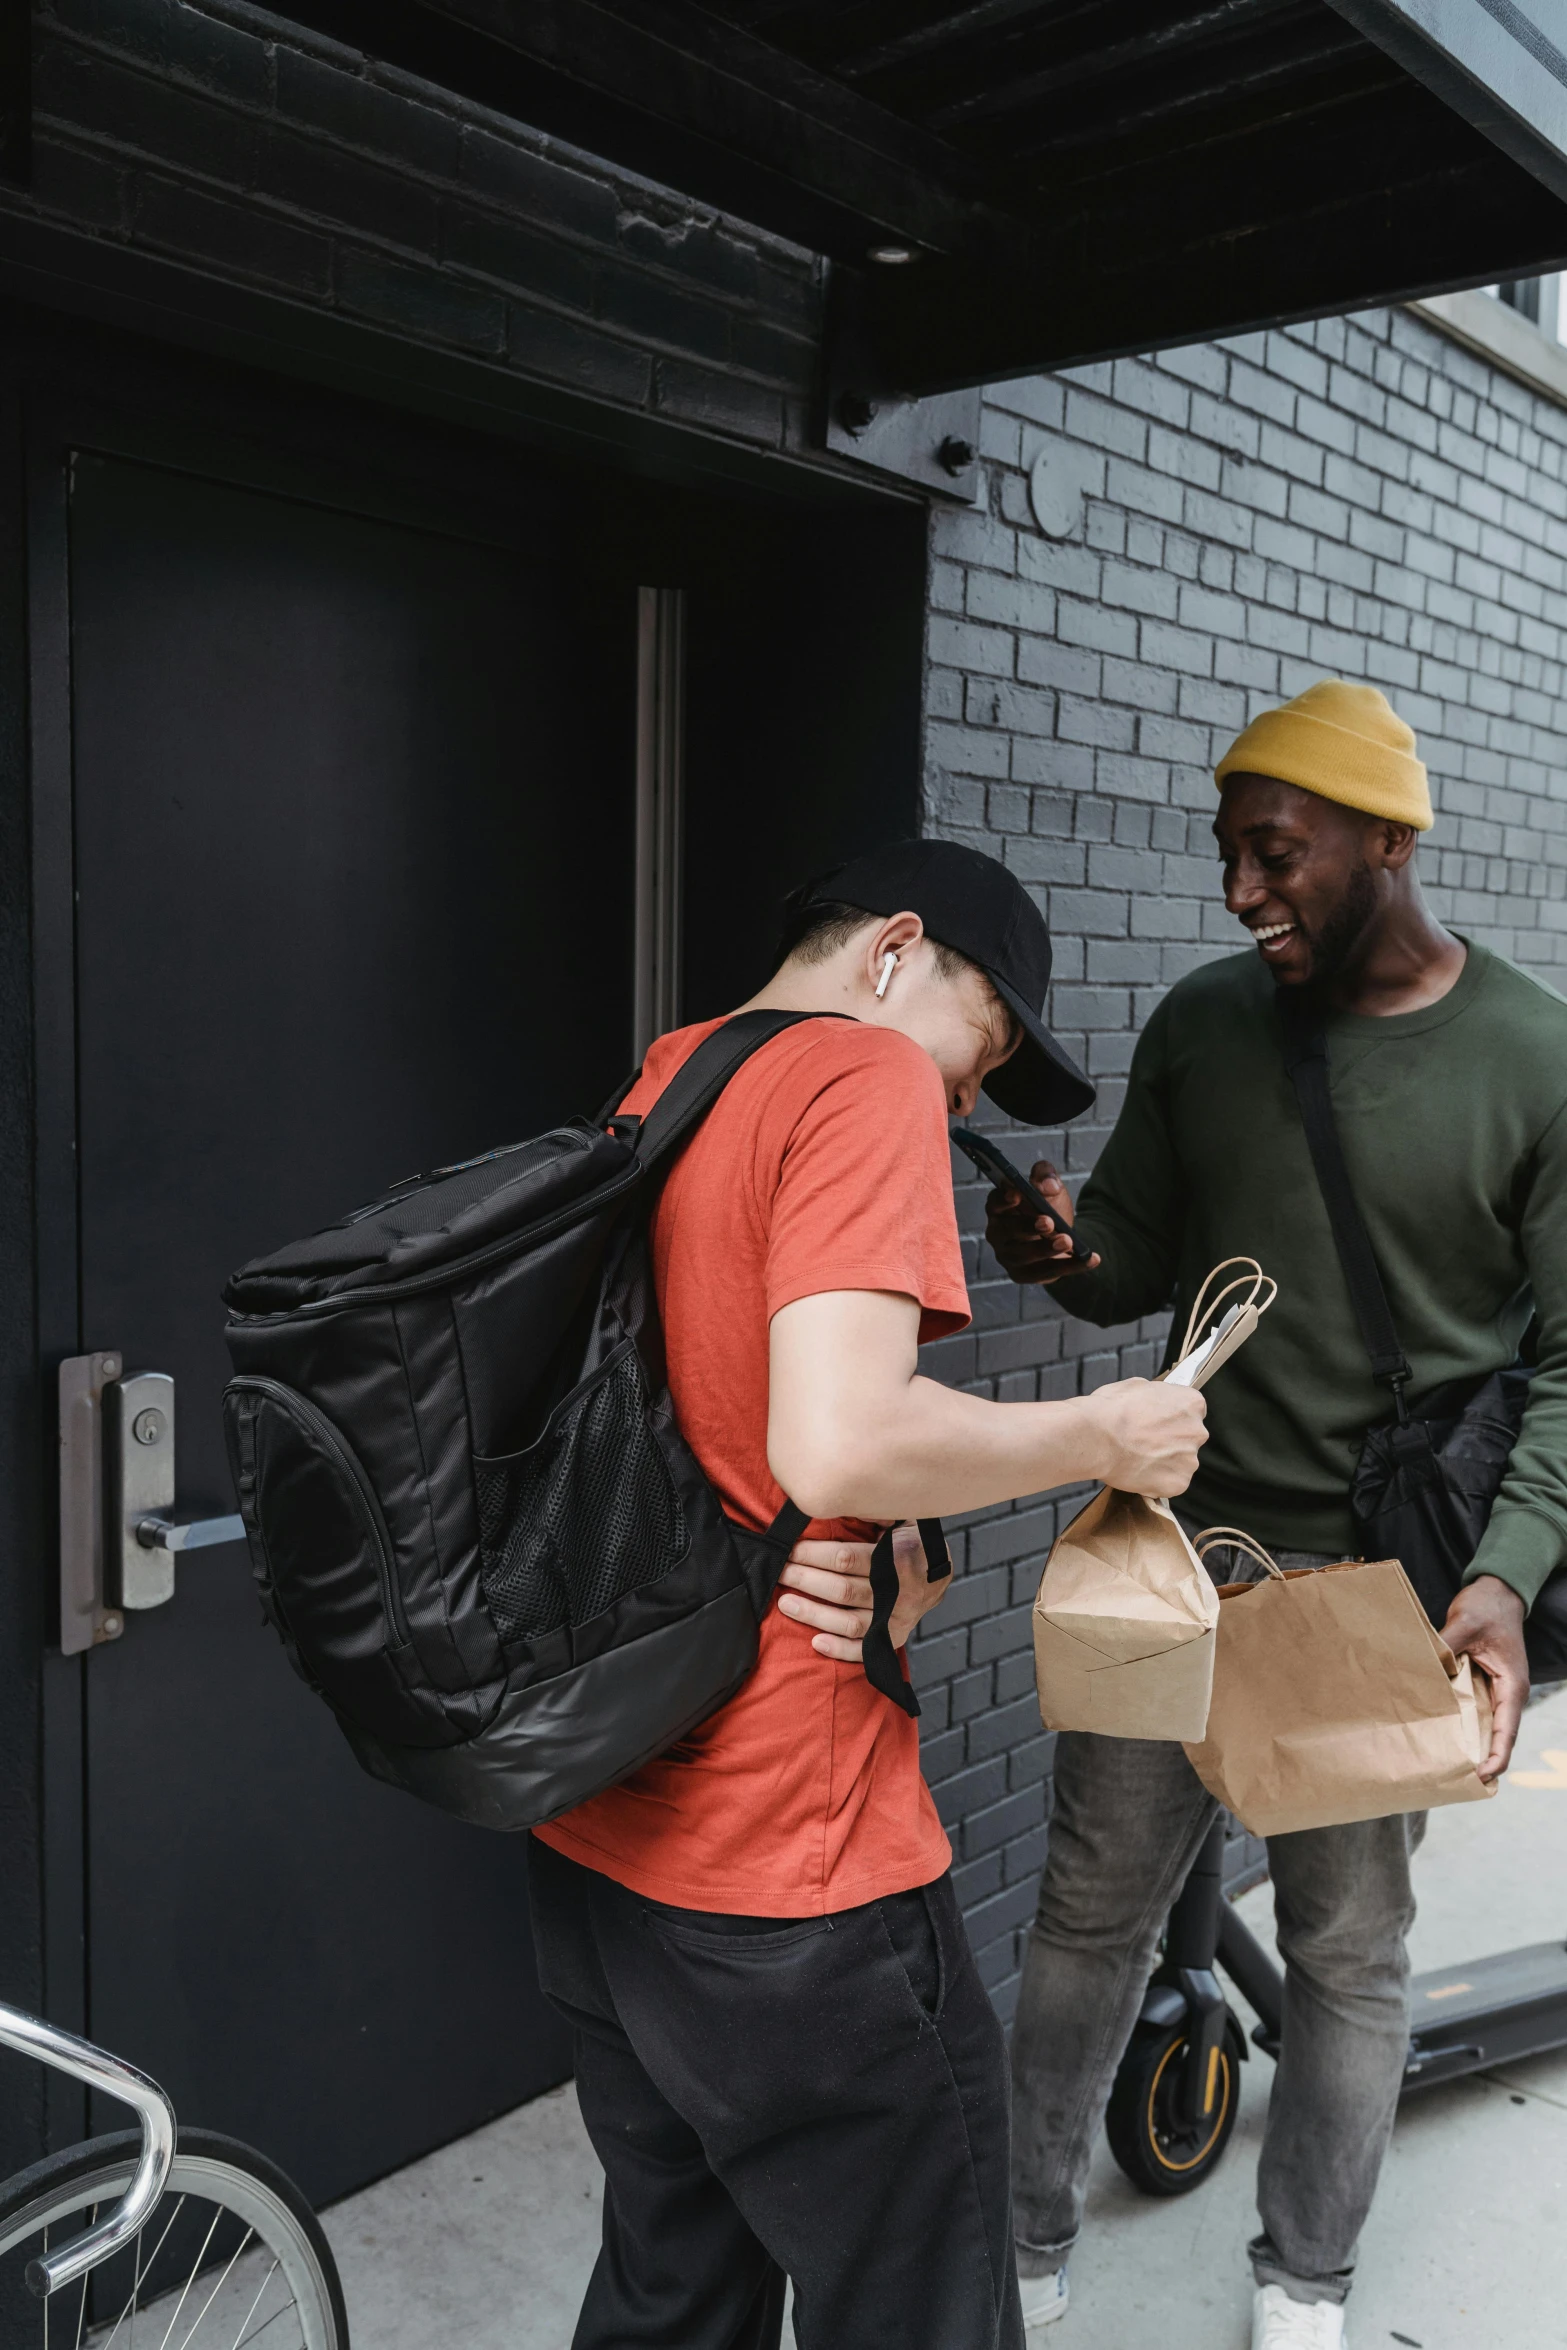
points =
(763, 1568)
(669, 1124)
(881, 1658)
(602, 1117)
(696, 1086)
(1306, 1058)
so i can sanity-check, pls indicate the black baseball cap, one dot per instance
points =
(970, 902)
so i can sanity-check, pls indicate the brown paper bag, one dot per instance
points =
(1124, 1622)
(1334, 1699)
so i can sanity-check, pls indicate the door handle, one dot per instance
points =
(118, 1539)
(194, 1534)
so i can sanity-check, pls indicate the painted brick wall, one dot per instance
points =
(256, 153)
(1361, 497)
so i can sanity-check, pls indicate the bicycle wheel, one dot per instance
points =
(232, 2255)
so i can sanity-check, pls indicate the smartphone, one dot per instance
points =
(985, 1156)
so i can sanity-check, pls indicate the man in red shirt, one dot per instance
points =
(785, 2057)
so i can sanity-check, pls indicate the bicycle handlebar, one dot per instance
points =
(64, 2053)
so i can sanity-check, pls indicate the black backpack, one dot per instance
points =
(472, 1518)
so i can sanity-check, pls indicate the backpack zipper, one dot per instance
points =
(299, 1407)
(436, 1278)
(502, 1150)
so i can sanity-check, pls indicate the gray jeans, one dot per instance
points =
(1128, 1818)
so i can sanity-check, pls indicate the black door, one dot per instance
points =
(353, 829)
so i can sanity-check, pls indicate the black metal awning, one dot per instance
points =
(1070, 178)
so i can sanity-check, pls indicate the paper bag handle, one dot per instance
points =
(1212, 1536)
(1254, 1281)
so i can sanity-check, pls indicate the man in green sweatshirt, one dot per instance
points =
(1449, 1087)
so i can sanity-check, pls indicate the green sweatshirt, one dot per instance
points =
(1454, 1125)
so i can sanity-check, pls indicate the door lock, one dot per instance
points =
(118, 1538)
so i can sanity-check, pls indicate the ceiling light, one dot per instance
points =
(891, 256)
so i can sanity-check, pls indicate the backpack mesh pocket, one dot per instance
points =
(585, 1515)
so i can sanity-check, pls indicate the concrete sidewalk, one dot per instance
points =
(485, 2246)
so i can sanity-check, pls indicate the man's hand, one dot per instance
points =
(1023, 1242)
(1149, 1433)
(1485, 1624)
(854, 1430)
(828, 1584)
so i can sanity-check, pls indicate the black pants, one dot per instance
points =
(818, 2098)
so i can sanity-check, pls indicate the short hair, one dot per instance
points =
(814, 928)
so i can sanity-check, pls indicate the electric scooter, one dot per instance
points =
(1173, 2106)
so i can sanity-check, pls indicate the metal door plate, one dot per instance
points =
(140, 1430)
(87, 1617)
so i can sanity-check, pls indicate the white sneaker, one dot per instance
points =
(1278, 2323)
(1044, 2299)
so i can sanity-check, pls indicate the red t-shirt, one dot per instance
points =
(823, 1166)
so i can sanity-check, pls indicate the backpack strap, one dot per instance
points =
(881, 1658)
(1306, 1059)
(665, 1129)
(762, 1567)
(697, 1084)
(605, 1116)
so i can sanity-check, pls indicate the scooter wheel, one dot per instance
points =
(1159, 2150)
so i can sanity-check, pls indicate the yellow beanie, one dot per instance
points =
(1343, 742)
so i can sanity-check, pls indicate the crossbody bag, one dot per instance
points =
(1425, 1482)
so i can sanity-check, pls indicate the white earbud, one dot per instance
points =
(889, 964)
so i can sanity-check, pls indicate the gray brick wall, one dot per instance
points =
(1362, 497)
(216, 136)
